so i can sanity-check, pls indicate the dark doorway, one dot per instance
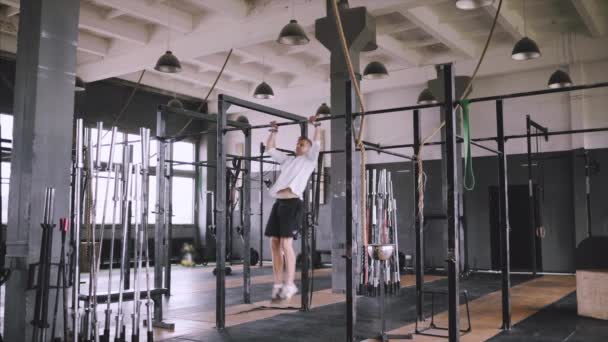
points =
(520, 241)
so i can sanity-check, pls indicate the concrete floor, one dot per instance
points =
(544, 309)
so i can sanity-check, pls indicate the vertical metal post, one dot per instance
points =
(419, 221)
(246, 201)
(531, 204)
(588, 191)
(159, 227)
(503, 218)
(453, 253)
(261, 205)
(76, 230)
(168, 210)
(305, 288)
(348, 151)
(220, 207)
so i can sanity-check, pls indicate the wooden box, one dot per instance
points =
(592, 293)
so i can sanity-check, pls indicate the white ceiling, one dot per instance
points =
(120, 38)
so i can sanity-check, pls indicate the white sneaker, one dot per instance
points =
(276, 291)
(288, 291)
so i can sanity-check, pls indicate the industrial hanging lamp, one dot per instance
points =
(175, 103)
(168, 62)
(426, 97)
(525, 48)
(323, 110)
(293, 34)
(263, 91)
(375, 71)
(560, 78)
(472, 4)
(79, 85)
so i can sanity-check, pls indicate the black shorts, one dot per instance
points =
(285, 218)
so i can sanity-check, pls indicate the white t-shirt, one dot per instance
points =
(295, 171)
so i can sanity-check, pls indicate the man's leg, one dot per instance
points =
(277, 260)
(290, 267)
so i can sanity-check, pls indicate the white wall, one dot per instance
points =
(555, 111)
(563, 111)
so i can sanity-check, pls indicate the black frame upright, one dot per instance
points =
(224, 103)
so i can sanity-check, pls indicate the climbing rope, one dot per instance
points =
(359, 142)
(465, 94)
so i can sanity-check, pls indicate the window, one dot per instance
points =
(183, 179)
(183, 152)
(183, 200)
(6, 123)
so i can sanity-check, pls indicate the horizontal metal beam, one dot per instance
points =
(341, 116)
(461, 139)
(539, 92)
(261, 108)
(373, 149)
(507, 137)
(541, 128)
(200, 116)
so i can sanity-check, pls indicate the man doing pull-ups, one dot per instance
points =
(286, 216)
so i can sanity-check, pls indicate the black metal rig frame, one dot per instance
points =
(224, 102)
(163, 226)
(452, 139)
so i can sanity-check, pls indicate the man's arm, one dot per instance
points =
(277, 155)
(313, 152)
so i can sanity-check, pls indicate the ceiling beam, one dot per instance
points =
(92, 20)
(233, 8)
(238, 71)
(510, 20)
(430, 22)
(394, 28)
(399, 50)
(161, 14)
(171, 85)
(189, 46)
(190, 74)
(290, 64)
(114, 13)
(92, 44)
(591, 14)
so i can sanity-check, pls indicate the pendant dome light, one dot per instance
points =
(168, 63)
(263, 91)
(79, 85)
(559, 79)
(426, 97)
(375, 71)
(472, 4)
(323, 110)
(525, 48)
(175, 103)
(293, 34)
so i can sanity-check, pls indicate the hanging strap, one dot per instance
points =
(469, 175)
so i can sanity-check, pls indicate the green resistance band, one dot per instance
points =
(469, 175)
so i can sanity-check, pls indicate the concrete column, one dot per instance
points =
(360, 31)
(43, 119)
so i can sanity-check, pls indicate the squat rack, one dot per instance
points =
(224, 103)
(449, 103)
(163, 226)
